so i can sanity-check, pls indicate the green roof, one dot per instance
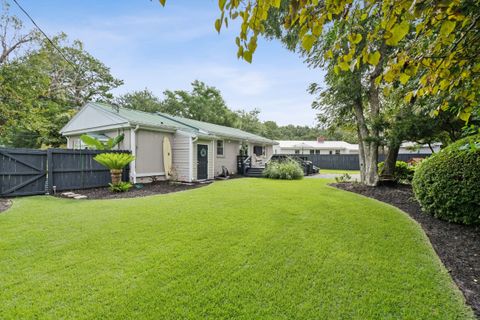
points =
(163, 120)
(218, 130)
(139, 117)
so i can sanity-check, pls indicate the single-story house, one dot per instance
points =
(415, 148)
(199, 149)
(320, 146)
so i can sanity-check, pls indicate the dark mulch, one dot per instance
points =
(148, 189)
(5, 204)
(458, 246)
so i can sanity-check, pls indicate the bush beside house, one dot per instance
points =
(286, 170)
(447, 184)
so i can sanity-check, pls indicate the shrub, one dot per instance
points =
(120, 186)
(403, 171)
(343, 178)
(447, 184)
(287, 170)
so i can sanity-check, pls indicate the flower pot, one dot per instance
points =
(116, 175)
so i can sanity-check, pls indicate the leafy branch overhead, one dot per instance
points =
(436, 42)
(101, 145)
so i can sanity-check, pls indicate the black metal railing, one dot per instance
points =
(243, 163)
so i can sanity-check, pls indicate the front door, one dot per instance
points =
(202, 161)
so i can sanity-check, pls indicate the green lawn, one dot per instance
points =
(339, 171)
(242, 249)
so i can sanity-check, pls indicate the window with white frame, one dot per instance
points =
(220, 147)
(337, 151)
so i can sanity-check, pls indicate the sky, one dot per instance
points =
(167, 48)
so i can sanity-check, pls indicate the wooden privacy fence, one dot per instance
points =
(347, 161)
(23, 172)
(30, 171)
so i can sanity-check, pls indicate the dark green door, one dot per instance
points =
(202, 161)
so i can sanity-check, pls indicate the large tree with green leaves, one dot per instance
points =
(40, 91)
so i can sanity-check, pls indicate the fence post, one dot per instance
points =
(49, 171)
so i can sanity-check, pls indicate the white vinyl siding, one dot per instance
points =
(181, 156)
(231, 150)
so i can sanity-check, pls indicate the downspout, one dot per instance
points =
(133, 147)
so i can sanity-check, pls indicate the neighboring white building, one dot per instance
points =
(413, 148)
(321, 146)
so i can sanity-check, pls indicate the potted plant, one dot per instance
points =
(115, 162)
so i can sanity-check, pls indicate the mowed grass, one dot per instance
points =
(239, 249)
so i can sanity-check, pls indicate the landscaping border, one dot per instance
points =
(456, 245)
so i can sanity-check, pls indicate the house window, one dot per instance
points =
(297, 151)
(317, 151)
(337, 151)
(258, 150)
(220, 147)
(312, 151)
(330, 152)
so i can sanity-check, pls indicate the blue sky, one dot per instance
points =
(149, 46)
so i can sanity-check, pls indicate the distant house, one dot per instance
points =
(199, 149)
(320, 146)
(415, 148)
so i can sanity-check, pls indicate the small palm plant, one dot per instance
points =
(115, 162)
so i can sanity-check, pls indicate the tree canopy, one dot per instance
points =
(39, 90)
(434, 43)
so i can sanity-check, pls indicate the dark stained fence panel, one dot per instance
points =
(76, 169)
(22, 172)
(348, 161)
(26, 172)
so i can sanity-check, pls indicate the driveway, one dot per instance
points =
(354, 176)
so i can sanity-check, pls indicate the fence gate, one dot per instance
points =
(22, 172)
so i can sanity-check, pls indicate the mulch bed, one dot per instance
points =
(458, 246)
(5, 204)
(148, 189)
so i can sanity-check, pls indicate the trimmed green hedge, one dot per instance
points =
(447, 184)
(286, 170)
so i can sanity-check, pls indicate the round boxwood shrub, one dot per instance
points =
(447, 184)
(287, 170)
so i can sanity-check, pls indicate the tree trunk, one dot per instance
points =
(368, 148)
(388, 172)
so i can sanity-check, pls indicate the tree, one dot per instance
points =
(143, 100)
(249, 121)
(12, 35)
(40, 91)
(203, 103)
(438, 40)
